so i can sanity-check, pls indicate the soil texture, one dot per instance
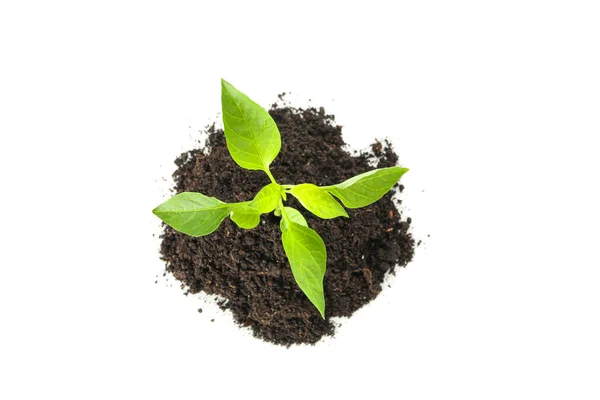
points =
(249, 269)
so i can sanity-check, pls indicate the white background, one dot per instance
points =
(494, 105)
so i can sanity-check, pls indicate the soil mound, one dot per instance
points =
(249, 267)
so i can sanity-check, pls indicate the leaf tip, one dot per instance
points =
(225, 85)
(321, 310)
(400, 171)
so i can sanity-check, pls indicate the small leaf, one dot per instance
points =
(193, 213)
(318, 201)
(267, 199)
(307, 255)
(294, 216)
(245, 216)
(367, 188)
(252, 136)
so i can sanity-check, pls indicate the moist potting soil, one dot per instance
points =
(249, 268)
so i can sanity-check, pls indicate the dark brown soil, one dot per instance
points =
(249, 267)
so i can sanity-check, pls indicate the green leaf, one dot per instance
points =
(306, 253)
(245, 216)
(294, 216)
(318, 201)
(193, 213)
(366, 188)
(252, 136)
(267, 199)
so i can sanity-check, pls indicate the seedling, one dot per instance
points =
(254, 141)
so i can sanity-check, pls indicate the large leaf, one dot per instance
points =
(267, 199)
(306, 253)
(367, 188)
(318, 201)
(245, 216)
(252, 136)
(193, 213)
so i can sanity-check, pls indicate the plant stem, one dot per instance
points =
(270, 176)
(283, 213)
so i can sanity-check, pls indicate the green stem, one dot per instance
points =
(239, 203)
(282, 209)
(270, 176)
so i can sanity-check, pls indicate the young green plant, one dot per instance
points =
(254, 141)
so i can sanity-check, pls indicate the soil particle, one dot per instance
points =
(248, 268)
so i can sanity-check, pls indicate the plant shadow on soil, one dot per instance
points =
(249, 267)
